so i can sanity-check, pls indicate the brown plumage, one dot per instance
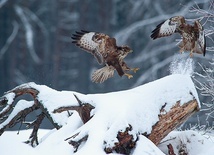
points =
(106, 53)
(193, 38)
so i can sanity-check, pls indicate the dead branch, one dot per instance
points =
(20, 117)
(125, 142)
(8, 101)
(170, 149)
(83, 110)
(33, 139)
(24, 89)
(16, 92)
(76, 144)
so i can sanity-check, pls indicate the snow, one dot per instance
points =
(54, 144)
(194, 142)
(146, 147)
(114, 111)
(10, 98)
(12, 143)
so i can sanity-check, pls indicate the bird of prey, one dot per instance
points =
(193, 37)
(106, 52)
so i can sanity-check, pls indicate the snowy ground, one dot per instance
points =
(138, 107)
(195, 143)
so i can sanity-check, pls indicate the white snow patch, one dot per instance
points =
(10, 97)
(146, 147)
(194, 143)
(54, 144)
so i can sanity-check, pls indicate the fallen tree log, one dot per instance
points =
(116, 119)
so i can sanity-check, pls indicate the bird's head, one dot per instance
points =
(178, 20)
(124, 51)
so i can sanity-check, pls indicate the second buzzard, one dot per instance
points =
(193, 37)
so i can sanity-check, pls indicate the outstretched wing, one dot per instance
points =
(97, 44)
(201, 40)
(84, 40)
(102, 74)
(167, 27)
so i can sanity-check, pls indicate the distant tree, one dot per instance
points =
(206, 88)
(205, 77)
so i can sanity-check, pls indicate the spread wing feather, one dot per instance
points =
(98, 44)
(84, 40)
(168, 27)
(165, 28)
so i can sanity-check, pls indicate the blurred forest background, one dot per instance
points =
(35, 40)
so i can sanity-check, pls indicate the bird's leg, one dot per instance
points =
(128, 75)
(181, 50)
(125, 67)
(192, 49)
(191, 53)
(135, 69)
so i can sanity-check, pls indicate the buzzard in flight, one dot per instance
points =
(106, 52)
(193, 38)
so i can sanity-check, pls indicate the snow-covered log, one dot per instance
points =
(113, 122)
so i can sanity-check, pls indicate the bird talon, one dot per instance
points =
(135, 69)
(129, 75)
(181, 51)
(191, 54)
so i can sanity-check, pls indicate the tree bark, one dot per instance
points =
(169, 121)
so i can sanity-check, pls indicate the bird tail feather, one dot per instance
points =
(102, 74)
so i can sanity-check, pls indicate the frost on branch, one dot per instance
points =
(205, 84)
(112, 122)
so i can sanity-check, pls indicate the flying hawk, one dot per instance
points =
(193, 38)
(106, 52)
